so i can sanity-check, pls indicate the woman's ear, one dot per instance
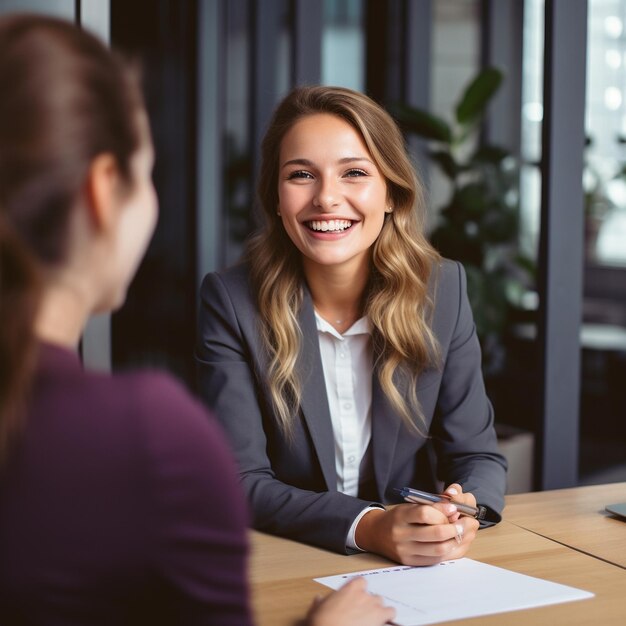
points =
(103, 191)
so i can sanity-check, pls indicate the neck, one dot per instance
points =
(62, 315)
(337, 293)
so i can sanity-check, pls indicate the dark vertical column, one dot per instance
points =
(210, 119)
(417, 26)
(155, 327)
(502, 47)
(561, 241)
(392, 62)
(417, 35)
(307, 42)
(398, 54)
(398, 42)
(376, 50)
(266, 29)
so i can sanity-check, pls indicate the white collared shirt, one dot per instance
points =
(347, 364)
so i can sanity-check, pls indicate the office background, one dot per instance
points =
(213, 71)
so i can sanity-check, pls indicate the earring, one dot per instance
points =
(389, 209)
(278, 213)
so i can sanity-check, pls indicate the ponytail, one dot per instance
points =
(65, 100)
(19, 295)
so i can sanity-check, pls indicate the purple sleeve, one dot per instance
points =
(195, 508)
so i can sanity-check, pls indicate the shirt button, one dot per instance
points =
(347, 405)
(342, 355)
(351, 459)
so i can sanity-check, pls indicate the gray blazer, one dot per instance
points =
(292, 486)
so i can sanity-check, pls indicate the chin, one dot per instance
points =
(119, 302)
(111, 304)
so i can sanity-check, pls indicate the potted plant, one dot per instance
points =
(478, 224)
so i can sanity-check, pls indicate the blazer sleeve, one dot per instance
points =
(196, 517)
(463, 426)
(226, 356)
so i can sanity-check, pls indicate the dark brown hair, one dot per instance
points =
(65, 100)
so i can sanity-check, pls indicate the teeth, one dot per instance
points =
(330, 225)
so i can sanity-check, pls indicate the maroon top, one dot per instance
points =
(119, 505)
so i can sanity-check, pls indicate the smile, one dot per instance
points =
(323, 226)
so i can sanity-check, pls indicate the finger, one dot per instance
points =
(439, 533)
(438, 550)
(454, 490)
(423, 513)
(460, 531)
(460, 550)
(317, 600)
(388, 614)
(356, 585)
(446, 508)
(466, 529)
(439, 543)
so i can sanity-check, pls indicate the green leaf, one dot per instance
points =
(471, 199)
(491, 154)
(422, 123)
(477, 95)
(447, 163)
(525, 263)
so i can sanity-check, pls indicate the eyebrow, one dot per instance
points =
(308, 163)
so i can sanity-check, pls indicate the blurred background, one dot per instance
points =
(515, 115)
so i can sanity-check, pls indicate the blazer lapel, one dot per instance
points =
(314, 401)
(385, 431)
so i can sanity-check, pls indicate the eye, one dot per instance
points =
(354, 172)
(299, 174)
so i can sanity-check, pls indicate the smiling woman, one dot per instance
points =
(341, 356)
(332, 201)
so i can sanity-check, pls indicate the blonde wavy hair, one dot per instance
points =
(396, 299)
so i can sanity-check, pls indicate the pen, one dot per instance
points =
(423, 497)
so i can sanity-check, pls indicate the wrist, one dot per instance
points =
(366, 532)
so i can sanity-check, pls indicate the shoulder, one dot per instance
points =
(174, 423)
(448, 290)
(130, 431)
(183, 447)
(228, 295)
(447, 282)
(148, 417)
(235, 279)
(119, 406)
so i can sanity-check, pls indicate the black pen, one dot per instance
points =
(423, 497)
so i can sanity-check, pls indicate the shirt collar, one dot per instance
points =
(363, 326)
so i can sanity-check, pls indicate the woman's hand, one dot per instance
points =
(419, 534)
(350, 606)
(455, 491)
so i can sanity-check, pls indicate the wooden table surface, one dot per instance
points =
(282, 573)
(575, 517)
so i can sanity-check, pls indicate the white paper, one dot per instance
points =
(455, 590)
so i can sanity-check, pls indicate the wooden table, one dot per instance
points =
(282, 573)
(576, 518)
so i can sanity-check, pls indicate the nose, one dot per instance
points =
(327, 194)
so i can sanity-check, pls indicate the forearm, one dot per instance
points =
(319, 518)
